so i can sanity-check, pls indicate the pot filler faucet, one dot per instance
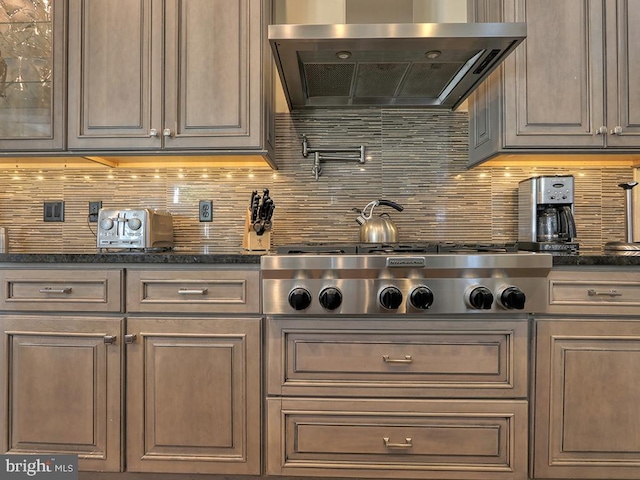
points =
(330, 153)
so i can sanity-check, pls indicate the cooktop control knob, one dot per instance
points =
(106, 223)
(330, 298)
(299, 298)
(480, 298)
(421, 297)
(134, 223)
(512, 298)
(390, 298)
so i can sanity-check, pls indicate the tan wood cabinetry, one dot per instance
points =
(176, 75)
(61, 388)
(371, 398)
(193, 382)
(182, 366)
(61, 290)
(586, 398)
(33, 76)
(372, 438)
(193, 395)
(570, 87)
(587, 362)
(193, 291)
(61, 357)
(596, 290)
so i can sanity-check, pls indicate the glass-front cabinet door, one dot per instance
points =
(32, 75)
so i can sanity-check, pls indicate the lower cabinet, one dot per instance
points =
(193, 395)
(193, 370)
(373, 438)
(61, 388)
(374, 398)
(173, 385)
(586, 418)
(192, 402)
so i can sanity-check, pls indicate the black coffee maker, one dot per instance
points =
(545, 215)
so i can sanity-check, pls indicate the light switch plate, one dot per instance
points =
(53, 211)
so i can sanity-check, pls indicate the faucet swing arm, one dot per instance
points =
(346, 154)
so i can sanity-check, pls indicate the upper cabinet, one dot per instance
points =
(32, 75)
(570, 87)
(173, 76)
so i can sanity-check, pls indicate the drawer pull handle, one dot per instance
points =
(55, 290)
(406, 359)
(194, 291)
(611, 293)
(407, 443)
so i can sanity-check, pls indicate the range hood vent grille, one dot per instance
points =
(387, 64)
(327, 79)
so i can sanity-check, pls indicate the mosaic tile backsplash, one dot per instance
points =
(414, 157)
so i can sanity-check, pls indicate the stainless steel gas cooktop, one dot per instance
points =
(413, 279)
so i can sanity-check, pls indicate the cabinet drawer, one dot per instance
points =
(62, 289)
(412, 438)
(193, 291)
(391, 359)
(572, 291)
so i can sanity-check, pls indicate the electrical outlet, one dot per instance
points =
(206, 210)
(53, 211)
(94, 209)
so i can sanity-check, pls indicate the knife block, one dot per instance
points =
(251, 241)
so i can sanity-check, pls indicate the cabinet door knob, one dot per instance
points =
(109, 339)
(130, 338)
(153, 132)
(166, 132)
(602, 130)
(617, 130)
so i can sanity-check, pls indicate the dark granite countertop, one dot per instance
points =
(177, 258)
(195, 258)
(596, 260)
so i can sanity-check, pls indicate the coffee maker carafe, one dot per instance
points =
(545, 215)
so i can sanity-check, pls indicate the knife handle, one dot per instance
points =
(255, 208)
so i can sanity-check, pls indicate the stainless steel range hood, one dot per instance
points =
(434, 65)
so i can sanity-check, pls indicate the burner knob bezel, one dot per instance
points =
(330, 298)
(479, 297)
(299, 298)
(390, 297)
(421, 297)
(511, 297)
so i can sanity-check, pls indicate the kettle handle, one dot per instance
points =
(391, 204)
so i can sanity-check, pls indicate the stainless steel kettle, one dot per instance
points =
(378, 229)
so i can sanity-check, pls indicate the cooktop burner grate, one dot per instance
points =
(387, 248)
(329, 248)
(455, 247)
(366, 248)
